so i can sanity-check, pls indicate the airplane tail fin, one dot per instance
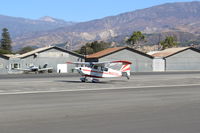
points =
(45, 66)
(126, 70)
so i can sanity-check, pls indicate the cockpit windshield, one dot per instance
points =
(100, 67)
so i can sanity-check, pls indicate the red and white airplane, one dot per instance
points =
(96, 70)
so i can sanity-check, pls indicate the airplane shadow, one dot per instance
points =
(100, 82)
(68, 81)
(118, 81)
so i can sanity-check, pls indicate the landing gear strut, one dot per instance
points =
(94, 80)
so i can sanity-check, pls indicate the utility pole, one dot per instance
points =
(85, 53)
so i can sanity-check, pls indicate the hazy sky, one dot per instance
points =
(74, 10)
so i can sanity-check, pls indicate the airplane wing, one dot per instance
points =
(111, 62)
(45, 69)
(79, 63)
(122, 61)
(20, 69)
(90, 63)
(99, 63)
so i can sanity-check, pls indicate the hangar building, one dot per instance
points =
(50, 56)
(4, 64)
(177, 59)
(141, 62)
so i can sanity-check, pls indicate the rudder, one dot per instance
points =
(126, 70)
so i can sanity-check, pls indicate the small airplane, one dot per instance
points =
(35, 69)
(96, 70)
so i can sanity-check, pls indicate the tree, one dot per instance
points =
(86, 50)
(25, 49)
(93, 47)
(4, 51)
(169, 42)
(99, 46)
(135, 39)
(6, 41)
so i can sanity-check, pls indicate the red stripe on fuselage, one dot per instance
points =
(128, 69)
(111, 73)
(124, 67)
(92, 76)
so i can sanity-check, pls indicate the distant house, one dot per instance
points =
(141, 62)
(177, 59)
(4, 64)
(50, 56)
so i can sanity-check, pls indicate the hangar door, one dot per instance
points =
(158, 65)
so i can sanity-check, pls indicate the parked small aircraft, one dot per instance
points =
(102, 69)
(35, 69)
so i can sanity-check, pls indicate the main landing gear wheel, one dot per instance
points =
(83, 79)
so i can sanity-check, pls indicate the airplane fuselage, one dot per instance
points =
(98, 73)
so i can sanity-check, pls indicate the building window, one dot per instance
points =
(1, 65)
(15, 65)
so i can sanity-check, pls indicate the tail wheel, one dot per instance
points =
(127, 77)
(125, 74)
(82, 80)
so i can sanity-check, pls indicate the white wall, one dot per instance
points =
(61, 68)
(158, 65)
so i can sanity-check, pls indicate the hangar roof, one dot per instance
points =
(9, 55)
(34, 51)
(171, 51)
(39, 50)
(109, 51)
(4, 56)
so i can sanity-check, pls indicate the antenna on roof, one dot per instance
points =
(159, 39)
(67, 45)
(85, 53)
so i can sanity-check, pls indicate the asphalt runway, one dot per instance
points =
(144, 104)
(33, 83)
(56, 75)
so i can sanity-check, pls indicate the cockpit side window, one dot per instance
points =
(95, 67)
(105, 69)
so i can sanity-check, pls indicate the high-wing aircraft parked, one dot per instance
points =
(102, 69)
(35, 69)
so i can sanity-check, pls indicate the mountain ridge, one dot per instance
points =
(19, 26)
(179, 18)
